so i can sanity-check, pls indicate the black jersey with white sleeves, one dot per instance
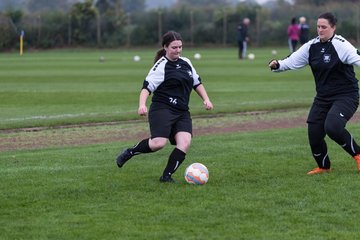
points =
(171, 82)
(331, 63)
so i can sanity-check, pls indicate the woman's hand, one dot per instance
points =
(142, 111)
(208, 105)
(274, 64)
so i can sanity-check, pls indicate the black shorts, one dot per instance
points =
(341, 107)
(166, 123)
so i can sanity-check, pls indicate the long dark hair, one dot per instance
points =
(330, 17)
(167, 38)
(293, 21)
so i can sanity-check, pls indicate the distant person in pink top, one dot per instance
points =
(293, 35)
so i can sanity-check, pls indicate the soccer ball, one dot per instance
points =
(251, 56)
(137, 58)
(197, 174)
(101, 59)
(197, 56)
(274, 52)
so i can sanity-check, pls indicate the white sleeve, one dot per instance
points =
(156, 75)
(347, 53)
(296, 60)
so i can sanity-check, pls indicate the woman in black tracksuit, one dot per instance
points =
(171, 80)
(331, 58)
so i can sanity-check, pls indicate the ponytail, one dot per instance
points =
(159, 54)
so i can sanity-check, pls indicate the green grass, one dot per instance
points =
(257, 190)
(72, 86)
(258, 187)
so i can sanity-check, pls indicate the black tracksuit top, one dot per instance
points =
(331, 63)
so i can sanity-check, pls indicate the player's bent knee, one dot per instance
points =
(184, 145)
(157, 143)
(334, 127)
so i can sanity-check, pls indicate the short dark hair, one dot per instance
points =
(330, 17)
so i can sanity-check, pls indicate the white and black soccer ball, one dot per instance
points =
(197, 173)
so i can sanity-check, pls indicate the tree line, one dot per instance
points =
(112, 24)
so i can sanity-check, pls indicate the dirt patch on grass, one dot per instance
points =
(95, 133)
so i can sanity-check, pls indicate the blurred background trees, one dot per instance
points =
(131, 23)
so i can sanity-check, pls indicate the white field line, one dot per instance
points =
(275, 101)
(47, 169)
(60, 116)
(71, 115)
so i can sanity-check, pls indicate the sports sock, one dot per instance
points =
(175, 159)
(141, 147)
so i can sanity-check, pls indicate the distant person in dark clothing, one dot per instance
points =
(304, 30)
(243, 37)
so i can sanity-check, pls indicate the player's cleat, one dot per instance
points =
(167, 179)
(357, 160)
(319, 170)
(124, 157)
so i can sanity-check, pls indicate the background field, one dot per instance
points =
(62, 87)
(258, 187)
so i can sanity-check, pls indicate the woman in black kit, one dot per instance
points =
(171, 81)
(331, 58)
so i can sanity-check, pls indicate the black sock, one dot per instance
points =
(175, 159)
(141, 147)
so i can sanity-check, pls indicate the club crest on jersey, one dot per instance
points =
(190, 73)
(327, 58)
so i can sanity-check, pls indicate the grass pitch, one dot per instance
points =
(258, 189)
